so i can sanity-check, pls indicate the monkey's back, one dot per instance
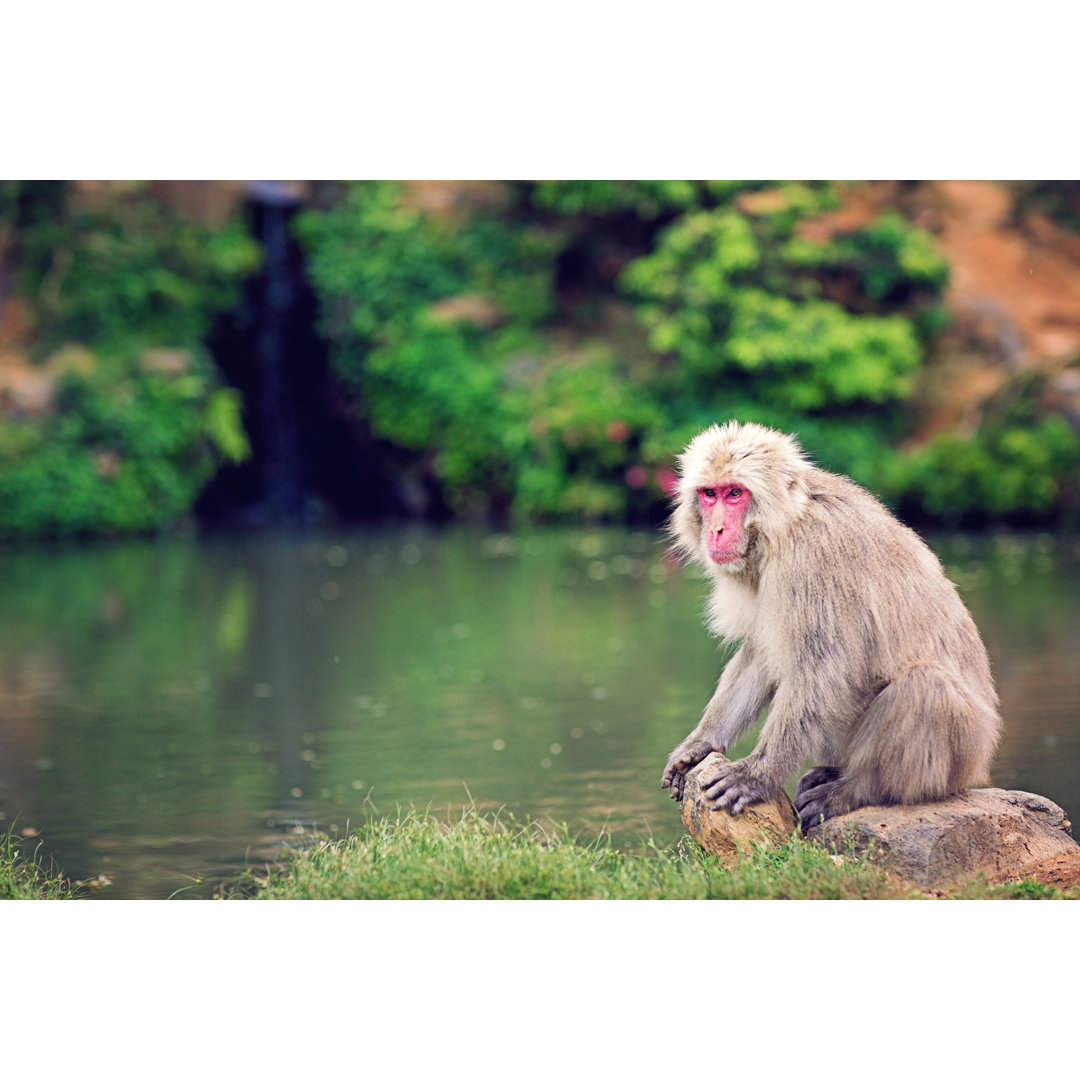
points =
(861, 591)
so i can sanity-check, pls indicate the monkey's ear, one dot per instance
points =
(794, 484)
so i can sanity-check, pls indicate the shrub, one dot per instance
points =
(122, 450)
(138, 421)
(121, 269)
(1014, 467)
(482, 341)
(721, 293)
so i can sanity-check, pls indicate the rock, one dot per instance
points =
(999, 833)
(1062, 871)
(474, 308)
(28, 388)
(731, 836)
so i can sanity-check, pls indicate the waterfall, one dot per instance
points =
(312, 457)
(282, 490)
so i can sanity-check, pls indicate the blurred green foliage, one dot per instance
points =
(121, 269)
(1017, 463)
(544, 403)
(1058, 199)
(645, 198)
(138, 422)
(723, 293)
(889, 260)
(440, 325)
(123, 450)
(534, 350)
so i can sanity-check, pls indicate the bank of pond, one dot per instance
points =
(422, 856)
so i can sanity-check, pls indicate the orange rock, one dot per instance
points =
(728, 836)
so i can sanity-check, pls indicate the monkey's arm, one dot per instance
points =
(792, 734)
(741, 694)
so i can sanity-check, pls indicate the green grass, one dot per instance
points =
(24, 877)
(1027, 889)
(417, 856)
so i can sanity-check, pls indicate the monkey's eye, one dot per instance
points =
(735, 493)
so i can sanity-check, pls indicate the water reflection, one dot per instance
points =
(170, 708)
(1024, 592)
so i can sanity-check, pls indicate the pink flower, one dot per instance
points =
(667, 481)
(617, 430)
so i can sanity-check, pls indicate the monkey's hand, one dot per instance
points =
(734, 787)
(680, 761)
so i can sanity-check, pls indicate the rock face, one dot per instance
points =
(1000, 833)
(730, 836)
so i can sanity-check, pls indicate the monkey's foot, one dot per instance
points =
(734, 787)
(681, 760)
(815, 777)
(821, 801)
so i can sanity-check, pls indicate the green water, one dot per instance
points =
(172, 709)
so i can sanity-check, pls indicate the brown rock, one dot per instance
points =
(166, 361)
(473, 308)
(28, 388)
(455, 200)
(1062, 871)
(998, 833)
(731, 836)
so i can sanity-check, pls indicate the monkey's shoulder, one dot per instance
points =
(837, 505)
(832, 494)
(846, 536)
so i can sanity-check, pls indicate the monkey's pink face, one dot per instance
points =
(723, 507)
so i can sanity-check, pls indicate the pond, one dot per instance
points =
(173, 710)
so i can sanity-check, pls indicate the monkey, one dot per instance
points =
(850, 633)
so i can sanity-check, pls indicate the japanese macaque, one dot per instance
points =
(870, 665)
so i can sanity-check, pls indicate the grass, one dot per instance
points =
(24, 877)
(1027, 889)
(417, 856)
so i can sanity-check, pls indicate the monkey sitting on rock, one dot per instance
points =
(851, 634)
